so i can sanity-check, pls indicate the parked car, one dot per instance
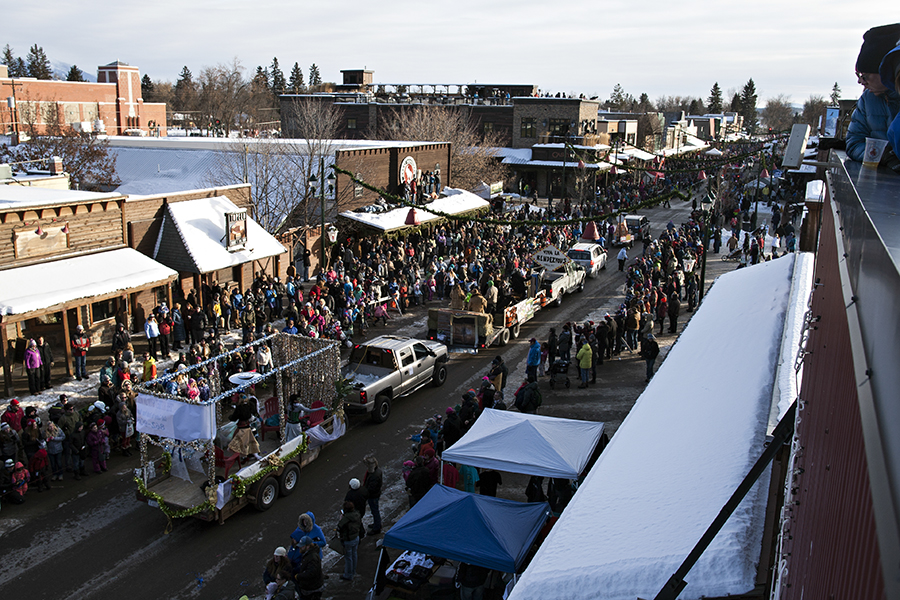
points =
(590, 256)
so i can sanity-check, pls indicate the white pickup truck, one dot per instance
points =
(388, 367)
(564, 280)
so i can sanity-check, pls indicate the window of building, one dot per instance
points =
(488, 128)
(351, 123)
(105, 309)
(529, 128)
(558, 126)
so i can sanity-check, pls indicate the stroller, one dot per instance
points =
(559, 372)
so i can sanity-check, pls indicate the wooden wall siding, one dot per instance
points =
(91, 227)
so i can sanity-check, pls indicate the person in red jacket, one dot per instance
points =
(81, 343)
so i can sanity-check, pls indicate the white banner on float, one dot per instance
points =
(173, 419)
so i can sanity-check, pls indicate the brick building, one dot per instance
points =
(113, 105)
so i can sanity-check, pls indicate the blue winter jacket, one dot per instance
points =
(872, 117)
(534, 355)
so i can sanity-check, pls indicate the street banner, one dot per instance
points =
(173, 419)
(550, 257)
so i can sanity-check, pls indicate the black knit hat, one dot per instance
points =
(877, 42)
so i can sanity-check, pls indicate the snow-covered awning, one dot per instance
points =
(681, 452)
(192, 237)
(454, 202)
(62, 283)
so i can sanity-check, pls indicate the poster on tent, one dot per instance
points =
(173, 419)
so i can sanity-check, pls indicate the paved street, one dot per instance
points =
(92, 539)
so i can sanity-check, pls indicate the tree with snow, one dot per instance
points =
(714, 102)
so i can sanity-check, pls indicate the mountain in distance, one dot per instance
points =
(61, 70)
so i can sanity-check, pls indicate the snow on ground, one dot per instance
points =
(677, 458)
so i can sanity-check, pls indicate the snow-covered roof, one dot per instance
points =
(14, 197)
(639, 154)
(685, 446)
(200, 225)
(455, 202)
(569, 164)
(40, 286)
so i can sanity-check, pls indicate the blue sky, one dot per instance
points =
(580, 46)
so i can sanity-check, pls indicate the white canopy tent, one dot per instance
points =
(530, 444)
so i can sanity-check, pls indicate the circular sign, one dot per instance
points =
(408, 170)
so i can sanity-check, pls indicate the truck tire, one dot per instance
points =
(266, 494)
(287, 482)
(515, 330)
(382, 409)
(558, 302)
(580, 286)
(440, 376)
(504, 337)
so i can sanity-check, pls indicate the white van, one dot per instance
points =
(590, 256)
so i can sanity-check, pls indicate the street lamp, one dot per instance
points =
(706, 205)
(312, 186)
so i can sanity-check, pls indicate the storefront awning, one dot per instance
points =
(55, 285)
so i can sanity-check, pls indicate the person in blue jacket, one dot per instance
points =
(890, 78)
(306, 526)
(534, 359)
(878, 104)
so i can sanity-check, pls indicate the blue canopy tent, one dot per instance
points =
(478, 530)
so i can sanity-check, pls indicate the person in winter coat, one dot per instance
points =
(451, 430)
(564, 344)
(674, 311)
(55, 438)
(878, 104)
(97, 441)
(349, 528)
(552, 347)
(80, 346)
(308, 574)
(39, 467)
(306, 526)
(10, 443)
(179, 331)
(533, 360)
(358, 496)
(418, 482)
(77, 442)
(584, 358)
(373, 482)
(649, 352)
(498, 369)
(151, 330)
(47, 360)
(13, 481)
(284, 588)
(125, 420)
(121, 338)
(279, 563)
(13, 415)
(34, 368)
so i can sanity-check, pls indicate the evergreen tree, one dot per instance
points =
(735, 105)
(185, 92)
(75, 74)
(261, 79)
(644, 104)
(9, 59)
(39, 64)
(835, 94)
(748, 106)
(696, 107)
(315, 79)
(297, 83)
(715, 99)
(146, 88)
(278, 82)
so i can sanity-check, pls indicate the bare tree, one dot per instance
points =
(778, 114)
(813, 108)
(223, 96)
(472, 156)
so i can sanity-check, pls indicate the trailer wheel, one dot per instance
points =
(266, 494)
(504, 337)
(440, 376)
(515, 330)
(287, 483)
(382, 409)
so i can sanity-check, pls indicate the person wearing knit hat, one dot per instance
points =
(890, 78)
(279, 563)
(878, 104)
